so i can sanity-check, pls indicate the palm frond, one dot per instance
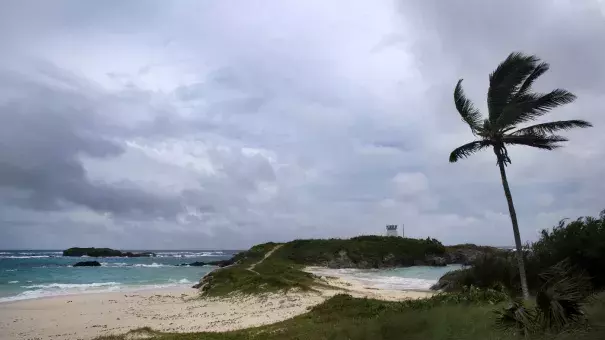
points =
(516, 318)
(467, 150)
(550, 127)
(506, 80)
(539, 70)
(536, 141)
(560, 299)
(530, 106)
(465, 107)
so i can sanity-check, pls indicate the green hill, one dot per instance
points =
(253, 272)
(364, 252)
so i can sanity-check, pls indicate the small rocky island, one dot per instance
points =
(87, 264)
(103, 252)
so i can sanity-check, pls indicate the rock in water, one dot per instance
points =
(92, 252)
(87, 264)
(103, 252)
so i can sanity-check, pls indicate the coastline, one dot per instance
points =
(86, 316)
(174, 309)
(359, 289)
(121, 289)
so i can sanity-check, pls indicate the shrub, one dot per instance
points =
(493, 271)
(559, 303)
(581, 241)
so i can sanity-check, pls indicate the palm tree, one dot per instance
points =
(510, 103)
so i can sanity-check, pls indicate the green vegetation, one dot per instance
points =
(361, 251)
(253, 273)
(346, 318)
(283, 269)
(559, 303)
(563, 267)
(511, 103)
(474, 247)
(580, 242)
(102, 252)
(494, 271)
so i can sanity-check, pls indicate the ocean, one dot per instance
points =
(27, 274)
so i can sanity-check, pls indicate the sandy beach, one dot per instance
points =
(86, 316)
(356, 289)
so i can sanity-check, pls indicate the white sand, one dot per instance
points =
(86, 316)
(348, 285)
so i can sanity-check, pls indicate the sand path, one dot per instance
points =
(252, 266)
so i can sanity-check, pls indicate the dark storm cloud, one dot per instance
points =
(568, 34)
(191, 124)
(45, 129)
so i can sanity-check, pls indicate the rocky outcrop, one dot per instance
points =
(87, 264)
(341, 260)
(449, 282)
(145, 254)
(103, 252)
(193, 264)
(466, 254)
(205, 282)
(436, 261)
(221, 263)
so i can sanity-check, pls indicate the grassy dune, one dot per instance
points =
(255, 274)
(346, 318)
(283, 269)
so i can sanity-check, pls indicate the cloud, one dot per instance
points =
(154, 124)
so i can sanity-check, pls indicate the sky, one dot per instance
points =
(146, 124)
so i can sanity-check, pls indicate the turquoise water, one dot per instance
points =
(28, 274)
(409, 278)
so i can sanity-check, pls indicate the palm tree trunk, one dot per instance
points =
(513, 218)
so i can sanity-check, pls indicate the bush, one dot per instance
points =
(580, 242)
(494, 271)
(559, 303)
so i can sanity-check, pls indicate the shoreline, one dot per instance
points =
(124, 289)
(86, 315)
(375, 282)
(359, 289)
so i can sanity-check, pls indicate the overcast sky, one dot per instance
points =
(221, 124)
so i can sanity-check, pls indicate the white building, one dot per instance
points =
(392, 230)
